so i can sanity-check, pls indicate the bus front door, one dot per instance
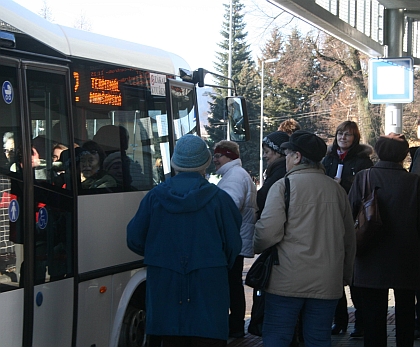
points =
(37, 205)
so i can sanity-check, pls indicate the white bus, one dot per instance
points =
(67, 277)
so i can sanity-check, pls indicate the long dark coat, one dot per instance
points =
(274, 172)
(394, 259)
(187, 229)
(358, 158)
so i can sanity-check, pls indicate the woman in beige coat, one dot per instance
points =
(316, 246)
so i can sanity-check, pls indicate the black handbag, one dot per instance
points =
(368, 221)
(259, 273)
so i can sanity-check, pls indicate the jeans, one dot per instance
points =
(281, 314)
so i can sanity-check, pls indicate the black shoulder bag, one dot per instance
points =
(259, 273)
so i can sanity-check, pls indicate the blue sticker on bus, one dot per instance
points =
(42, 218)
(13, 210)
(7, 92)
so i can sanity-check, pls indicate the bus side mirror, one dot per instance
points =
(237, 117)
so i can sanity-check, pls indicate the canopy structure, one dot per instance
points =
(378, 28)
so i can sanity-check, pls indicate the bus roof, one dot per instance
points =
(83, 44)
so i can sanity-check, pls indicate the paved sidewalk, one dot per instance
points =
(342, 340)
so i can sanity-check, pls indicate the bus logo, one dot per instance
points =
(7, 92)
(13, 210)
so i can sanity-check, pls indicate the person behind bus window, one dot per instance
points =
(92, 174)
(113, 165)
(9, 145)
(9, 151)
(113, 139)
(56, 152)
(187, 229)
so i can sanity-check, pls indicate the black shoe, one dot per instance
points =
(357, 333)
(236, 334)
(338, 329)
(416, 334)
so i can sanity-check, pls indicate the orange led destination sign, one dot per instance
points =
(105, 92)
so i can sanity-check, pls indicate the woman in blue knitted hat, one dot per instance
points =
(187, 229)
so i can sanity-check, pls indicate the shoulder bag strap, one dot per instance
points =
(365, 181)
(368, 181)
(287, 195)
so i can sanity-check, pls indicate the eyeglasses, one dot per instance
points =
(341, 134)
(218, 155)
(7, 151)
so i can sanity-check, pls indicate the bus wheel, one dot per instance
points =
(133, 328)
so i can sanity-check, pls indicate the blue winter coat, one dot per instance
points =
(188, 231)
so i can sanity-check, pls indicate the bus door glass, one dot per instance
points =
(11, 236)
(47, 100)
(181, 101)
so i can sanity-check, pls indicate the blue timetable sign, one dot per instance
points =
(391, 80)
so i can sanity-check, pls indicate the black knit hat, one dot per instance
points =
(307, 144)
(392, 147)
(274, 140)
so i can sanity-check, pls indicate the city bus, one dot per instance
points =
(88, 124)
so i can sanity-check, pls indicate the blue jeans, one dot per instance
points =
(280, 318)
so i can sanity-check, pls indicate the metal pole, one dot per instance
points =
(395, 31)
(229, 68)
(261, 124)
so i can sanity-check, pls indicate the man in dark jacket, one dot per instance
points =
(187, 229)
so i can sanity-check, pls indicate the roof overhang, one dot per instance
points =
(313, 14)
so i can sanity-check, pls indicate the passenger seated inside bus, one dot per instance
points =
(56, 152)
(9, 150)
(114, 166)
(91, 167)
(39, 162)
(115, 139)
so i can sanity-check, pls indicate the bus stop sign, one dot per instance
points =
(391, 80)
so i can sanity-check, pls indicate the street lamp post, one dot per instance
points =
(272, 60)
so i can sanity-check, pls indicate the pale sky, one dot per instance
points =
(188, 28)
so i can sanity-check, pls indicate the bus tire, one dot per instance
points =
(133, 330)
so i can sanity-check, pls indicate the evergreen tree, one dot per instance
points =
(290, 83)
(243, 75)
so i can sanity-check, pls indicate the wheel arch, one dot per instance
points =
(135, 290)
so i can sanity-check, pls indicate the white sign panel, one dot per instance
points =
(391, 80)
(157, 84)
